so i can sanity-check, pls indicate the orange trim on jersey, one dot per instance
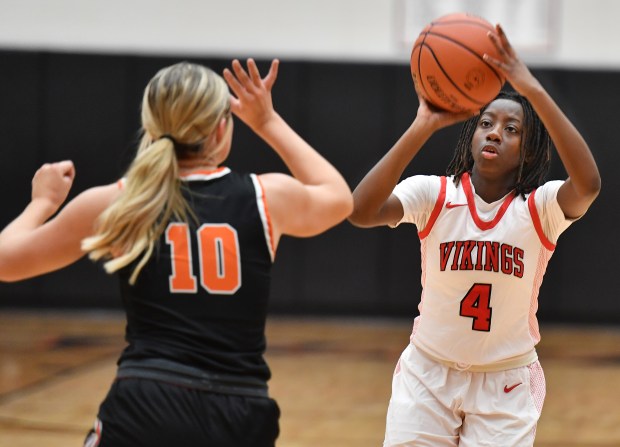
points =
(203, 172)
(267, 216)
(531, 204)
(471, 203)
(436, 210)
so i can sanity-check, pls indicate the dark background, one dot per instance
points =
(83, 107)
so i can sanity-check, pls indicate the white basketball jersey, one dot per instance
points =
(482, 267)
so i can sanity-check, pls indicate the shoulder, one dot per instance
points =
(93, 201)
(278, 183)
(101, 196)
(548, 191)
(420, 187)
(421, 181)
(546, 197)
(546, 210)
(419, 195)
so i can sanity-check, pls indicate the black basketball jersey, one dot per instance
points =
(201, 299)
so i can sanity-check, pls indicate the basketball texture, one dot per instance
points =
(448, 66)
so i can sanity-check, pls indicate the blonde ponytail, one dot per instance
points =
(185, 102)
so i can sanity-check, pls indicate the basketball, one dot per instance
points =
(448, 66)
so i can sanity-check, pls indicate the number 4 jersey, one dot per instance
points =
(482, 267)
(201, 298)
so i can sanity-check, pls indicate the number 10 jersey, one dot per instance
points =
(201, 299)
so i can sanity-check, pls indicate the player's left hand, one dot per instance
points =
(509, 64)
(252, 101)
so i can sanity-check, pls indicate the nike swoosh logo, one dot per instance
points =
(508, 389)
(450, 205)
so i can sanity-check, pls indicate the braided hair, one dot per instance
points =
(536, 144)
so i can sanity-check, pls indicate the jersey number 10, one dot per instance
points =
(219, 259)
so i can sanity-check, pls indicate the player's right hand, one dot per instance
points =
(438, 118)
(52, 182)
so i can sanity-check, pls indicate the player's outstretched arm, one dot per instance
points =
(34, 244)
(316, 197)
(584, 181)
(374, 204)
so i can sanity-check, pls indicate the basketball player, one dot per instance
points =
(470, 376)
(193, 243)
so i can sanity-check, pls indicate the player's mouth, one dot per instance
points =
(489, 151)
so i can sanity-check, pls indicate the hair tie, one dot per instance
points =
(170, 137)
(182, 147)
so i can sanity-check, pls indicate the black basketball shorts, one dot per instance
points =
(150, 413)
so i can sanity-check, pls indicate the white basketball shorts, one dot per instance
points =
(434, 405)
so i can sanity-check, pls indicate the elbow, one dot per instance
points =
(328, 215)
(592, 188)
(342, 205)
(361, 223)
(361, 216)
(341, 209)
(347, 207)
(360, 220)
(584, 194)
(8, 275)
(12, 269)
(9, 269)
(596, 186)
(8, 279)
(5, 271)
(12, 272)
(356, 220)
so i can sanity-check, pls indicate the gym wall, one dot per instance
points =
(85, 107)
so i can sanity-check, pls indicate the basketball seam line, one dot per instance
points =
(449, 78)
(499, 78)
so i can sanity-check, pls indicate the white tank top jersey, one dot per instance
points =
(482, 267)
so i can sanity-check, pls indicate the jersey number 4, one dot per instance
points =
(219, 259)
(477, 305)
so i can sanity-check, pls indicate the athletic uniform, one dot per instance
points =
(193, 373)
(470, 376)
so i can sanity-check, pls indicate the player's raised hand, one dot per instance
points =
(438, 118)
(52, 183)
(512, 67)
(252, 101)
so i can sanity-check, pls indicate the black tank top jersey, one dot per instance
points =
(201, 299)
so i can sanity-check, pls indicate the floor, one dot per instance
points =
(331, 378)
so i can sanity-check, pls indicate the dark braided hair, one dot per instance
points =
(535, 147)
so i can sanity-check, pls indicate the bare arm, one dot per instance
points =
(584, 182)
(32, 245)
(374, 203)
(316, 197)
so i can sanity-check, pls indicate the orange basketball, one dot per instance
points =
(447, 63)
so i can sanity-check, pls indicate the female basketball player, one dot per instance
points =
(193, 243)
(470, 376)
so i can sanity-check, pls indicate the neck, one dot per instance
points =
(491, 190)
(197, 160)
(187, 167)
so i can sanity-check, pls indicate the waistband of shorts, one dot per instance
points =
(174, 373)
(503, 365)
